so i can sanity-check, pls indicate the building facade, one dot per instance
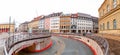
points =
(7, 28)
(23, 27)
(81, 23)
(34, 24)
(95, 25)
(73, 26)
(47, 23)
(55, 22)
(109, 17)
(42, 23)
(65, 23)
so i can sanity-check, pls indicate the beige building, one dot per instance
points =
(34, 24)
(109, 13)
(7, 28)
(23, 27)
(65, 22)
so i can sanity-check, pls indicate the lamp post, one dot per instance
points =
(9, 24)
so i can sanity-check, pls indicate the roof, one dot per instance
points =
(102, 4)
(84, 15)
(37, 18)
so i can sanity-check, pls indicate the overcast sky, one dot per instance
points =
(26, 10)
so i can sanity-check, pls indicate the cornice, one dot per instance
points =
(110, 12)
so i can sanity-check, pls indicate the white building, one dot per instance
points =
(81, 23)
(54, 24)
(42, 25)
(74, 23)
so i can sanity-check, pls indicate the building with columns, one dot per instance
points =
(65, 22)
(73, 26)
(81, 23)
(7, 28)
(109, 17)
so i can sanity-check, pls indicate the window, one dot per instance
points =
(108, 8)
(114, 3)
(100, 27)
(103, 12)
(103, 26)
(114, 24)
(107, 25)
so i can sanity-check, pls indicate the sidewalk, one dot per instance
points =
(114, 43)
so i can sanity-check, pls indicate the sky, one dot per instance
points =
(26, 10)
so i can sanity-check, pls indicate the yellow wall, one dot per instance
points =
(65, 19)
(33, 24)
(55, 31)
(104, 6)
(114, 13)
(7, 26)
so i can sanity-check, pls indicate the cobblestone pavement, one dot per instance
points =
(114, 42)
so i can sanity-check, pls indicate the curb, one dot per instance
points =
(43, 49)
(93, 50)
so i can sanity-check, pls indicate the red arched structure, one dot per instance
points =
(4, 30)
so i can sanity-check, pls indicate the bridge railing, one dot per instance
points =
(21, 37)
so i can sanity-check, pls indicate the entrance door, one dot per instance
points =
(73, 31)
(79, 31)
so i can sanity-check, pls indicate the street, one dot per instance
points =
(64, 46)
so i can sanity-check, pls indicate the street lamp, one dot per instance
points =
(9, 24)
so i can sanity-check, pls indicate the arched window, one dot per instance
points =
(114, 3)
(100, 27)
(107, 25)
(103, 26)
(114, 24)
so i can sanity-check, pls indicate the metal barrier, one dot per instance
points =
(21, 37)
(102, 42)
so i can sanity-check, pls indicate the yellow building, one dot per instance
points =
(7, 28)
(109, 21)
(34, 24)
(65, 23)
